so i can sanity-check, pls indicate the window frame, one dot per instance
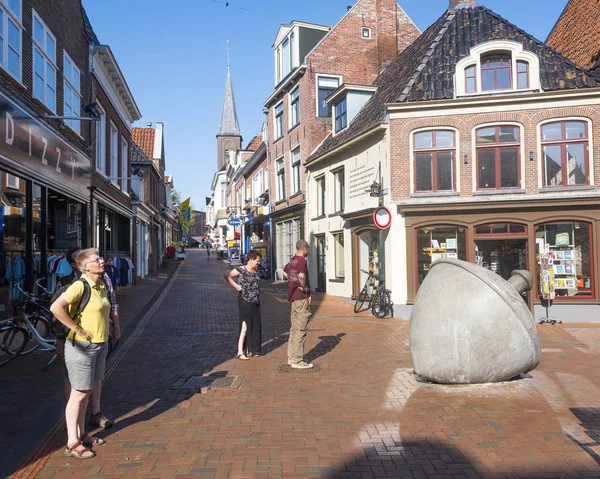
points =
(338, 78)
(16, 18)
(296, 171)
(101, 134)
(321, 195)
(339, 193)
(339, 244)
(14, 186)
(486, 58)
(497, 146)
(75, 125)
(294, 107)
(124, 164)
(362, 33)
(278, 120)
(563, 142)
(41, 49)
(341, 115)
(473, 76)
(114, 153)
(434, 150)
(280, 178)
(519, 73)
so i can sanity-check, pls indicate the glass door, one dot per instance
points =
(321, 263)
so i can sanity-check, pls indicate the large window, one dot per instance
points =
(565, 153)
(498, 157)
(321, 196)
(495, 72)
(257, 185)
(280, 166)
(114, 154)
(434, 161)
(101, 141)
(72, 92)
(339, 190)
(124, 163)
(296, 183)
(326, 85)
(565, 265)
(44, 63)
(295, 107)
(437, 242)
(279, 121)
(341, 118)
(286, 67)
(338, 245)
(10, 37)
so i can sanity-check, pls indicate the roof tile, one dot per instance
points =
(144, 138)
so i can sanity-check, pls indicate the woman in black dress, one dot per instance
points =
(248, 285)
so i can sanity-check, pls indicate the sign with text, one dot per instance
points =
(234, 222)
(30, 143)
(360, 179)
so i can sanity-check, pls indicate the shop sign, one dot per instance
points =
(27, 141)
(382, 218)
(234, 222)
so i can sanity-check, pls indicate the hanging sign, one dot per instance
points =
(234, 222)
(382, 218)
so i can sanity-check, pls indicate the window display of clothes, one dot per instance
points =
(15, 271)
(58, 267)
(124, 268)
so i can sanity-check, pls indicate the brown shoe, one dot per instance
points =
(100, 420)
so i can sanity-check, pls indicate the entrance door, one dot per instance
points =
(321, 263)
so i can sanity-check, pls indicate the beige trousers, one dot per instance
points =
(300, 317)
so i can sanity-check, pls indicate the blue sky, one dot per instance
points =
(174, 59)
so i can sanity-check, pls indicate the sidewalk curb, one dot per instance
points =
(43, 451)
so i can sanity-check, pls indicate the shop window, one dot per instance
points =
(437, 242)
(368, 257)
(72, 92)
(321, 196)
(498, 150)
(434, 161)
(339, 186)
(565, 149)
(338, 244)
(565, 262)
(296, 183)
(501, 229)
(44, 63)
(101, 141)
(280, 166)
(10, 37)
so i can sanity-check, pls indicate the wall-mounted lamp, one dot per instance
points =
(531, 156)
(466, 159)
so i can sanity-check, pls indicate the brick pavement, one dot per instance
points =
(363, 414)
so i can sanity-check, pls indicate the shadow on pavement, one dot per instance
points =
(327, 344)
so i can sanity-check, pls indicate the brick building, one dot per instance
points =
(311, 61)
(487, 142)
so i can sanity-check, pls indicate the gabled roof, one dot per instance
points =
(577, 33)
(424, 70)
(254, 143)
(144, 138)
(229, 121)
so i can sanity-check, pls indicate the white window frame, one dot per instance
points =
(341, 256)
(257, 186)
(101, 140)
(16, 18)
(278, 121)
(280, 186)
(124, 164)
(114, 154)
(295, 165)
(48, 62)
(321, 196)
(294, 115)
(318, 77)
(366, 30)
(15, 185)
(75, 125)
(339, 193)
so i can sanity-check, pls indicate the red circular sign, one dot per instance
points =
(382, 218)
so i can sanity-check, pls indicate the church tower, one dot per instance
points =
(228, 137)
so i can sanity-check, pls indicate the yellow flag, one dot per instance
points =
(184, 205)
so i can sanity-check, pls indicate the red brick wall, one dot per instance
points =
(343, 52)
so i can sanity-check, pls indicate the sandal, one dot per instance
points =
(90, 441)
(83, 453)
(243, 357)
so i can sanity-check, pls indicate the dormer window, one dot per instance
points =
(341, 118)
(522, 74)
(495, 72)
(471, 79)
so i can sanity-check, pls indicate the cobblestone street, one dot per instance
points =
(359, 413)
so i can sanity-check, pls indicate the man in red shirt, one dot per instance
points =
(299, 295)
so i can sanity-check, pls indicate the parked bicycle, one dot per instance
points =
(379, 298)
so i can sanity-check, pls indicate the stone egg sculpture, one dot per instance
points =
(470, 326)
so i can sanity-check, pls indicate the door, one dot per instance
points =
(321, 263)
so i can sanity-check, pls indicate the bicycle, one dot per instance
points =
(380, 302)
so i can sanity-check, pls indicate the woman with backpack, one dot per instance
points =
(86, 347)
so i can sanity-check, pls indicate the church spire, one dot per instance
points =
(229, 121)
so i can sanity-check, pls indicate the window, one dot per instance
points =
(321, 198)
(114, 154)
(44, 64)
(12, 181)
(124, 163)
(565, 153)
(72, 92)
(501, 229)
(339, 190)
(522, 74)
(438, 242)
(278, 66)
(365, 33)
(434, 161)
(296, 184)
(470, 79)
(286, 67)
(101, 141)
(280, 165)
(498, 157)
(338, 245)
(326, 85)
(294, 107)
(10, 37)
(495, 72)
(257, 185)
(137, 187)
(223, 195)
(279, 121)
(570, 247)
(341, 119)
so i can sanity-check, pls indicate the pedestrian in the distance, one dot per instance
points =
(208, 246)
(248, 286)
(299, 295)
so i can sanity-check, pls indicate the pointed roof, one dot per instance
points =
(425, 70)
(229, 121)
(144, 138)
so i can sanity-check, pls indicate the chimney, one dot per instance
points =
(387, 44)
(149, 124)
(455, 3)
(348, 8)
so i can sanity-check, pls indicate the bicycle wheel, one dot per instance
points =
(12, 342)
(382, 304)
(360, 300)
(42, 326)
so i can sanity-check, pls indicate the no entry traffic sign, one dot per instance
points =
(382, 218)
